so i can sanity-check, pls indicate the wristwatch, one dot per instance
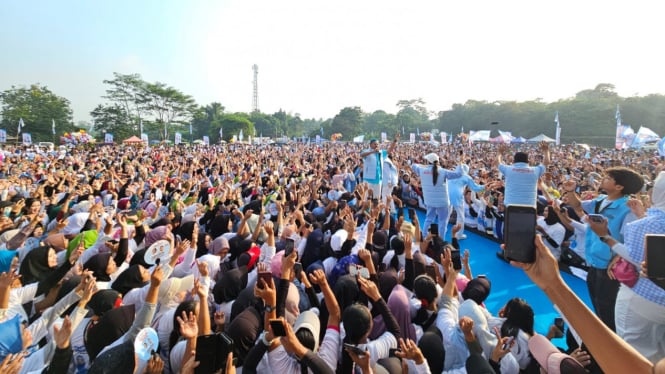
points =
(269, 308)
(605, 238)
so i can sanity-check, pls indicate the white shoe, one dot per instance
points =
(461, 237)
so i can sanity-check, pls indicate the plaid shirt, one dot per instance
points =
(653, 223)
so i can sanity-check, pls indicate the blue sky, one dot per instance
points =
(317, 57)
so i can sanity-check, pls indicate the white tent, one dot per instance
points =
(540, 138)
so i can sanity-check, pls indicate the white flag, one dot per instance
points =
(558, 128)
(21, 124)
(53, 125)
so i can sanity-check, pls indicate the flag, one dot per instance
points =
(190, 129)
(178, 138)
(141, 127)
(53, 125)
(92, 125)
(661, 147)
(644, 135)
(21, 125)
(221, 133)
(241, 136)
(619, 140)
(558, 129)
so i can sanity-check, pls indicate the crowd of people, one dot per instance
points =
(307, 257)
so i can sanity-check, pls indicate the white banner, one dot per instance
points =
(178, 138)
(359, 139)
(206, 140)
(384, 137)
(144, 137)
(108, 138)
(412, 137)
(27, 138)
(3, 136)
(444, 138)
(318, 139)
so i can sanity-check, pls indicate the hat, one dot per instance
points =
(310, 321)
(379, 239)
(173, 286)
(432, 157)
(373, 140)
(408, 227)
(551, 359)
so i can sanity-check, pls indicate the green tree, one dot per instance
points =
(112, 118)
(348, 122)
(169, 106)
(264, 124)
(412, 116)
(378, 122)
(38, 107)
(233, 123)
(129, 92)
(206, 119)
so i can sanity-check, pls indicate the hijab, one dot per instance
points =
(57, 241)
(219, 225)
(154, 235)
(244, 330)
(228, 288)
(218, 245)
(398, 303)
(11, 340)
(113, 324)
(312, 252)
(97, 264)
(658, 192)
(6, 258)
(128, 279)
(103, 301)
(187, 230)
(34, 267)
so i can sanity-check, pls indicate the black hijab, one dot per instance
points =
(128, 280)
(114, 324)
(103, 301)
(34, 267)
(97, 264)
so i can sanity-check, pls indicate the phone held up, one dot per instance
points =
(655, 256)
(211, 352)
(520, 233)
(277, 327)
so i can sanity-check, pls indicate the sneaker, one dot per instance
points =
(461, 237)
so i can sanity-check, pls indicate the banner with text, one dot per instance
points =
(108, 138)
(178, 138)
(27, 138)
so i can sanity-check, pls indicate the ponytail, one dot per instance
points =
(435, 173)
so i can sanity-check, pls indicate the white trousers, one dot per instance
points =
(641, 323)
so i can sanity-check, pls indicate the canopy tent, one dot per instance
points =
(133, 139)
(540, 138)
(519, 139)
(501, 139)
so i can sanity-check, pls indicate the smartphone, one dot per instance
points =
(598, 218)
(457, 259)
(520, 233)
(288, 248)
(266, 276)
(508, 342)
(211, 352)
(434, 229)
(277, 327)
(354, 349)
(297, 268)
(430, 271)
(655, 255)
(412, 214)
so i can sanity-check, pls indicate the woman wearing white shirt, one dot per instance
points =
(553, 232)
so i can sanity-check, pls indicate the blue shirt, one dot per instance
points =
(372, 166)
(598, 254)
(653, 223)
(521, 183)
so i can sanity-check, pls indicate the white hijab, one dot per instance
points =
(658, 192)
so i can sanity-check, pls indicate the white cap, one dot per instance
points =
(432, 157)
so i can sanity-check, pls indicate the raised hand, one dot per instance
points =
(189, 329)
(318, 277)
(409, 350)
(62, 334)
(369, 288)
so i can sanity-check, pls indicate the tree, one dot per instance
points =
(206, 119)
(412, 116)
(264, 124)
(129, 92)
(169, 106)
(233, 123)
(378, 122)
(348, 122)
(38, 107)
(112, 118)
